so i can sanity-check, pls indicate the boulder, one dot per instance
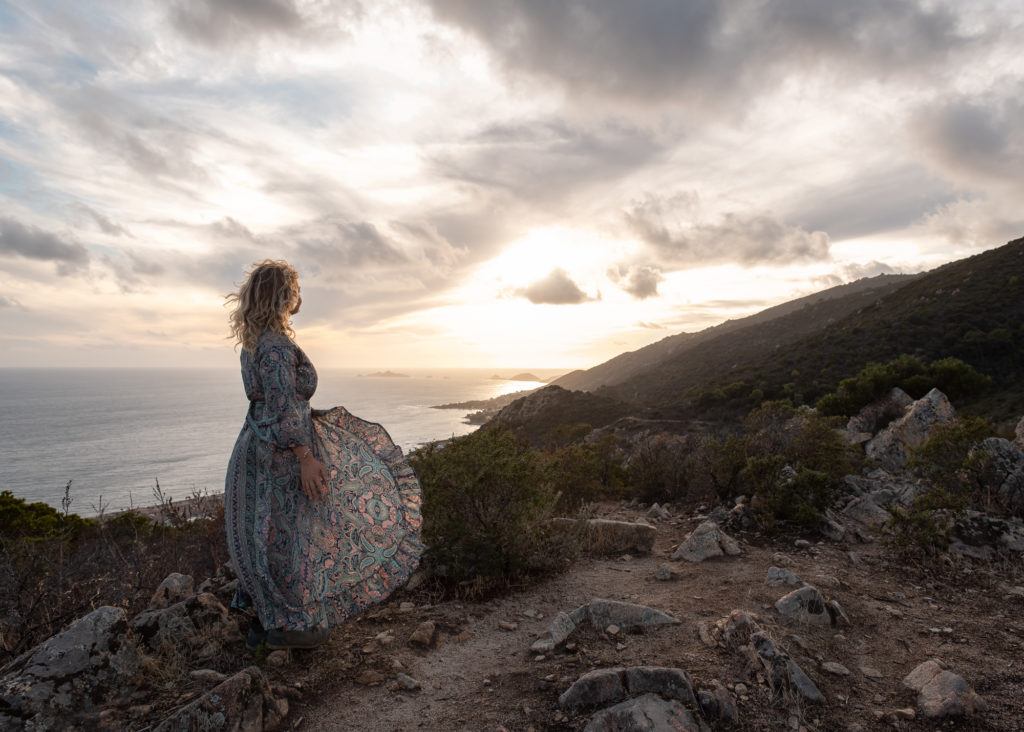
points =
(705, 542)
(647, 713)
(604, 536)
(64, 677)
(942, 693)
(890, 447)
(600, 614)
(611, 684)
(877, 415)
(1007, 461)
(734, 628)
(980, 536)
(180, 624)
(865, 510)
(244, 702)
(1018, 434)
(175, 588)
(778, 576)
(782, 670)
(718, 703)
(805, 605)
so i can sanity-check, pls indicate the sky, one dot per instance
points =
(531, 183)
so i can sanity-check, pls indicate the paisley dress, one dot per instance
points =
(301, 563)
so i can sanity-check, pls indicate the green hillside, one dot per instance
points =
(971, 309)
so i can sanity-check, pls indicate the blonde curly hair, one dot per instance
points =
(265, 301)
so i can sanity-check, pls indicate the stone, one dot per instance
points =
(832, 529)
(734, 627)
(181, 623)
(890, 447)
(778, 576)
(836, 668)
(783, 670)
(243, 702)
(782, 560)
(980, 536)
(647, 713)
(870, 672)
(865, 510)
(370, 677)
(604, 536)
(668, 683)
(407, 683)
(50, 686)
(601, 614)
(561, 627)
(424, 634)
(878, 414)
(175, 588)
(836, 614)
(658, 513)
(1018, 434)
(705, 542)
(665, 573)
(806, 605)
(1007, 465)
(942, 693)
(599, 686)
(207, 676)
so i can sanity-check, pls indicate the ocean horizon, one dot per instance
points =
(115, 432)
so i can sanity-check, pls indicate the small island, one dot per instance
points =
(388, 374)
(518, 377)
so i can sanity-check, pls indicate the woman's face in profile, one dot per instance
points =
(298, 304)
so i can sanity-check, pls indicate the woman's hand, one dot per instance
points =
(314, 477)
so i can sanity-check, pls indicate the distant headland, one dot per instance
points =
(517, 377)
(389, 374)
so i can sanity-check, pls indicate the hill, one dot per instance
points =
(971, 309)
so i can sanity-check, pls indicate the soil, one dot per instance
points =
(481, 675)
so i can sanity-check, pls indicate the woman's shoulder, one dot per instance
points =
(270, 340)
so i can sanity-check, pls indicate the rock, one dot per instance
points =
(835, 611)
(181, 623)
(705, 542)
(648, 713)
(175, 588)
(782, 560)
(207, 676)
(424, 634)
(407, 683)
(833, 667)
(942, 693)
(778, 576)
(665, 573)
(600, 614)
(603, 536)
(1018, 433)
(600, 686)
(1007, 464)
(243, 702)
(783, 670)
(870, 672)
(890, 446)
(718, 703)
(370, 677)
(980, 536)
(668, 683)
(878, 414)
(63, 677)
(865, 510)
(832, 529)
(658, 513)
(806, 605)
(737, 625)
(508, 626)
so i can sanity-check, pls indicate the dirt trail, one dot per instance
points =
(481, 676)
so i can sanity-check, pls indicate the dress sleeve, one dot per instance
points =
(293, 425)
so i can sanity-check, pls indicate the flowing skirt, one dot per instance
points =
(303, 563)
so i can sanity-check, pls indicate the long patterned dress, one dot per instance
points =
(303, 563)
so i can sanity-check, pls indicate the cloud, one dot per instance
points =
(557, 288)
(105, 224)
(33, 243)
(640, 281)
(9, 302)
(978, 139)
(704, 52)
(746, 238)
(218, 23)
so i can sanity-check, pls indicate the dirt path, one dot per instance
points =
(483, 676)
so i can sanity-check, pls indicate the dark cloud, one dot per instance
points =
(978, 139)
(640, 281)
(33, 243)
(704, 51)
(557, 288)
(748, 239)
(217, 23)
(105, 224)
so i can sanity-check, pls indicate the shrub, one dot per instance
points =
(484, 506)
(583, 473)
(666, 467)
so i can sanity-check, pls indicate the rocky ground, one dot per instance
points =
(478, 672)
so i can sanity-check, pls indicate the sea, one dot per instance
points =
(113, 434)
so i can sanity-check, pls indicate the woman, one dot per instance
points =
(322, 510)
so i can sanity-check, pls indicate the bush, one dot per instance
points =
(484, 506)
(667, 467)
(584, 473)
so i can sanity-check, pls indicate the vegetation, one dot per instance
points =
(484, 510)
(56, 566)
